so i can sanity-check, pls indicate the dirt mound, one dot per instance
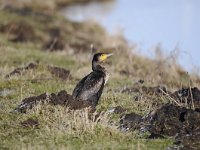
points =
(148, 95)
(117, 110)
(19, 31)
(30, 123)
(61, 73)
(30, 102)
(20, 70)
(25, 11)
(157, 90)
(187, 142)
(80, 47)
(56, 41)
(183, 123)
(168, 120)
(171, 119)
(54, 44)
(130, 122)
(62, 98)
(188, 97)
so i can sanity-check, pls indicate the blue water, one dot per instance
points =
(174, 24)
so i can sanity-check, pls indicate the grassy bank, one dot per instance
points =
(44, 6)
(48, 39)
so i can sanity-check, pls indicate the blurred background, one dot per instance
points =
(154, 28)
(171, 26)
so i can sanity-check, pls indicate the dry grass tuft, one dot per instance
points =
(60, 120)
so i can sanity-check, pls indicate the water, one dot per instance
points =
(172, 24)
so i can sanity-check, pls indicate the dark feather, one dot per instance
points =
(90, 87)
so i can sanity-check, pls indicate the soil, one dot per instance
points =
(168, 120)
(155, 136)
(30, 102)
(171, 119)
(61, 98)
(56, 41)
(25, 11)
(157, 90)
(152, 95)
(187, 142)
(180, 122)
(188, 96)
(19, 31)
(20, 70)
(61, 73)
(117, 110)
(64, 99)
(120, 110)
(30, 123)
(130, 122)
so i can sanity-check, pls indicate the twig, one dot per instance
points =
(191, 94)
(170, 97)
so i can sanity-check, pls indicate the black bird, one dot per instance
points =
(91, 86)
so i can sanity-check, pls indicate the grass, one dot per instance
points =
(46, 6)
(59, 128)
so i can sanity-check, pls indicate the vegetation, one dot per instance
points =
(45, 6)
(48, 39)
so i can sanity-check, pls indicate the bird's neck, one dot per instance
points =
(97, 67)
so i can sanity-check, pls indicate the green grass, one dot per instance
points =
(70, 130)
(53, 132)
(60, 129)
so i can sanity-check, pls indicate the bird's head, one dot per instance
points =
(101, 57)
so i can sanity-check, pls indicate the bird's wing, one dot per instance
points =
(78, 87)
(90, 86)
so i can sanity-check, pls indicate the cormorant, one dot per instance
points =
(91, 86)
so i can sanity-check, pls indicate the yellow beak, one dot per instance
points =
(105, 56)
